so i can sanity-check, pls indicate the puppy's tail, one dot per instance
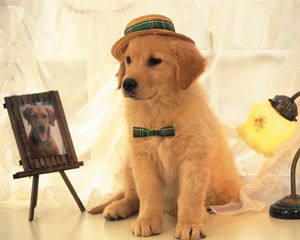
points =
(100, 208)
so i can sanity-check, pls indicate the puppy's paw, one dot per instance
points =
(117, 211)
(98, 209)
(146, 227)
(190, 231)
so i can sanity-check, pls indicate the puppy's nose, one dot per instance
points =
(41, 128)
(129, 84)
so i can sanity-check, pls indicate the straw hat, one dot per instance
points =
(148, 24)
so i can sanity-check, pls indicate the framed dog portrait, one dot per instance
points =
(43, 139)
(41, 132)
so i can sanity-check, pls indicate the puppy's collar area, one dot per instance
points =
(167, 131)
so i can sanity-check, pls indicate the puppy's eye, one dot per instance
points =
(154, 61)
(128, 60)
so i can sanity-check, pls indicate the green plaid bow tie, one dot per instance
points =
(163, 132)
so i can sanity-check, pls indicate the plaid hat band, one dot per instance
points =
(144, 132)
(150, 24)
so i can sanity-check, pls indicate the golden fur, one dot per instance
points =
(40, 139)
(182, 174)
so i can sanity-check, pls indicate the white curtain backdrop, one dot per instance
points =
(253, 49)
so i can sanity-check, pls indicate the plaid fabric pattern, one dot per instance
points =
(150, 24)
(163, 132)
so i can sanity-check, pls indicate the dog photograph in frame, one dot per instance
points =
(42, 129)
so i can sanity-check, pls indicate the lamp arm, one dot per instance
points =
(293, 173)
(297, 94)
(295, 160)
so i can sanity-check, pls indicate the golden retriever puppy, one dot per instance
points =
(180, 174)
(40, 139)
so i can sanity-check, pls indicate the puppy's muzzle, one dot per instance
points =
(129, 86)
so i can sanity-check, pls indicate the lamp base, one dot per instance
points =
(286, 208)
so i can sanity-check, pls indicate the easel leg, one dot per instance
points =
(34, 196)
(72, 190)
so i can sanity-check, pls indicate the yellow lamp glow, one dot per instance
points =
(265, 129)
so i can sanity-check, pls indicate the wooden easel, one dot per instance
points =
(32, 165)
(35, 184)
(34, 194)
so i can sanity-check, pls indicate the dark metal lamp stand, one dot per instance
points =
(289, 206)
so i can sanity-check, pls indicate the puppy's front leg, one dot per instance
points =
(149, 189)
(193, 180)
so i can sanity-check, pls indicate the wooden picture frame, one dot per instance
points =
(32, 118)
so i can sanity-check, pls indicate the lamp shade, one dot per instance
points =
(265, 128)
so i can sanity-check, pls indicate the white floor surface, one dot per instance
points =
(65, 224)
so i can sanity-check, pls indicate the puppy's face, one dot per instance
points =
(157, 65)
(40, 118)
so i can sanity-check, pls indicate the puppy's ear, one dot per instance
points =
(51, 115)
(120, 74)
(190, 64)
(26, 114)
